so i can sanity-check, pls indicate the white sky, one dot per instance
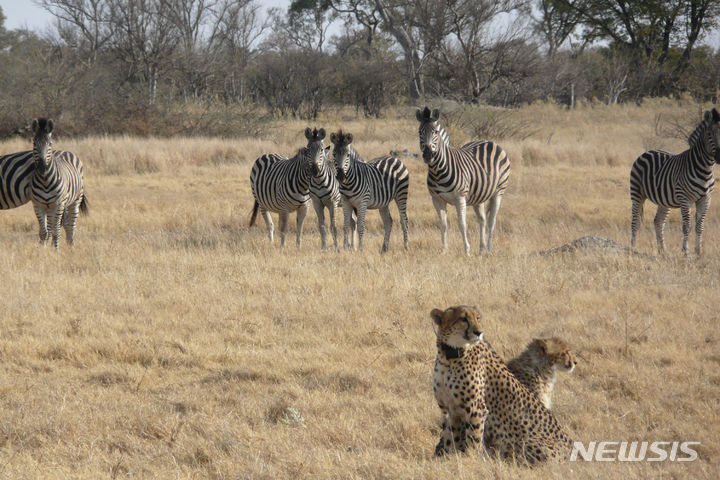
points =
(27, 14)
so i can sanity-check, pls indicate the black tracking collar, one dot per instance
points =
(451, 352)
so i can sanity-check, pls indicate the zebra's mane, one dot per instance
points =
(299, 154)
(695, 135)
(354, 155)
(444, 137)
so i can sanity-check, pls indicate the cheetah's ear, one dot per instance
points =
(437, 315)
(542, 344)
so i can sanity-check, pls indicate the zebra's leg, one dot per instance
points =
(660, 217)
(320, 211)
(441, 209)
(269, 224)
(333, 226)
(68, 221)
(387, 224)
(480, 214)
(685, 213)
(461, 207)
(361, 211)
(353, 227)
(637, 213)
(493, 206)
(54, 221)
(402, 210)
(301, 214)
(348, 224)
(283, 224)
(701, 207)
(42, 222)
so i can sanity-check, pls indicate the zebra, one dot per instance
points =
(16, 171)
(56, 186)
(369, 185)
(325, 192)
(281, 184)
(677, 181)
(473, 174)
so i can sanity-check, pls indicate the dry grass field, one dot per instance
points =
(174, 342)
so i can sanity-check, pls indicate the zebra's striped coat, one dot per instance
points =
(16, 170)
(325, 193)
(474, 174)
(280, 184)
(371, 185)
(56, 189)
(677, 181)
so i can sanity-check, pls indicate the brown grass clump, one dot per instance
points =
(174, 342)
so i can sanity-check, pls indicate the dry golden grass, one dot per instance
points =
(174, 342)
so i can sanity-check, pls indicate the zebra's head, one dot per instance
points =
(712, 120)
(42, 141)
(314, 153)
(429, 132)
(341, 152)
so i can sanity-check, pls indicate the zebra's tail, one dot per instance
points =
(256, 206)
(84, 206)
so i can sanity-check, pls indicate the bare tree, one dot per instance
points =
(241, 26)
(84, 24)
(144, 41)
(470, 52)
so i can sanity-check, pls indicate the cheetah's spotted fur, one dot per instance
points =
(537, 366)
(480, 398)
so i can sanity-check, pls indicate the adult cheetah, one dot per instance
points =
(537, 366)
(481, 400)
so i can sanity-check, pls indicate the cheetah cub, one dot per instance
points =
(537, 366)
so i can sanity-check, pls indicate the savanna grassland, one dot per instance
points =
(174, 342)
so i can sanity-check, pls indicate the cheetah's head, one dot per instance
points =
(553, 352)
(458, 327)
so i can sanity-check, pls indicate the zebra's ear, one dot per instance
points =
(715, 116)
(419, 115)
(49, 126)
(333, 137)
(34, 125)
(308, 133)
(348, 139)
(321, 133)
(435, 115)
(327, 150)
